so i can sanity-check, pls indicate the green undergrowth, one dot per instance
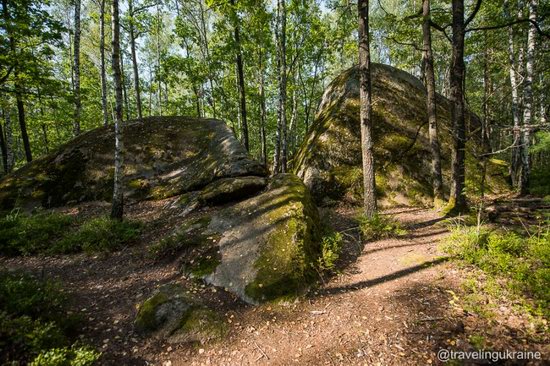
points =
(331, 247)
(379, 227)
(35, 328)
(55, 233)
(518, 263)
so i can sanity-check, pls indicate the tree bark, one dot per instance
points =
(516, 113)
(9, 142)
(134, 58)
(76, 65)
(431, 105)
(103, 74)
(17, 87)
(281, 137)
(528, 99)
(457, 199)
(117, 208)
(3, 146)
(240, 79)
(365, 88)
(263, 111)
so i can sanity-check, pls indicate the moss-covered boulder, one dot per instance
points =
(261, 248)
(171, 313)
(165, 156)
(329, 160)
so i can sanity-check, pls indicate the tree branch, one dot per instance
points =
(474, 12)
(441, 29)
(518, 21)
(5, 77)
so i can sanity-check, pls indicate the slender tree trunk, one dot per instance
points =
(134, 58)
(365, 88)
(281, 154)
(431, 105)
(76, 65)
(263, 111)
(9, 142)
(3, 146)
(528, 99)
(124, 90)
(117, 209)
(206, 54)
(17, 87)
(457, 199)
(240, 81)
(158, 73)
(515, 160)
(103, 74)
(293, 123)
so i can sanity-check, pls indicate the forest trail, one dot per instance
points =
(390, 304)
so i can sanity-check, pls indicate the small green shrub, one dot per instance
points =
(168, 245)
(331, 246)
(34, 325)
(74, 356)
(99, 235)
(24, 234)
(523, 261)
(379, 227)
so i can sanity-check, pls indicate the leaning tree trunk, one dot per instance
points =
(528, 99)
(103, 74)
(457, 199)
(76, 86)
(365, 88)
(9, 143)
(117, 208)
(134, 58)
(431, 105)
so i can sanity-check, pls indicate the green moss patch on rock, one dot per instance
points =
(164, 157)
(330, 157)
(171, 313)
(268, 244)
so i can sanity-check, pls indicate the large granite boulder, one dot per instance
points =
(329, 160)
(261, 248)
(165, 156)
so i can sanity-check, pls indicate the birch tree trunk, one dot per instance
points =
(457, 199)
(103, 74)
(515, 161)
(431, 105)
(3, 146)
(76, 65)
(117, 208)
(365, 88)
(528, 99)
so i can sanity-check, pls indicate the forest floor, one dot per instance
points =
(395, 301)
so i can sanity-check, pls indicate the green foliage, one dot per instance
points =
(331, 246)
(24, 234)
(99, 235)
(51, 233)
(539, 182)
(34, 325)
(523, 261)
(74, 356)
(379, 227)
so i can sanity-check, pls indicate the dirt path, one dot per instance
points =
(389, 305)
